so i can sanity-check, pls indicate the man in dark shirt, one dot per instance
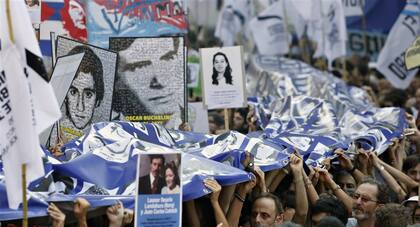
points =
(153, 182)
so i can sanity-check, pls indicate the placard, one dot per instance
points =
(150, 85)
(89, 98)
(223, 77)
(159, 189)
(149, 18)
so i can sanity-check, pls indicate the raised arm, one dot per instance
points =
(296, 166)
(338, 192)
(347, 164)
(214, 200)
(392, 183)
(310, 189)
(238, 200)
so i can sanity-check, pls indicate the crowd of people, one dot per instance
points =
(362, 189)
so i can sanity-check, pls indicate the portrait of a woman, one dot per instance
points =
(171, 178)
(222, 72)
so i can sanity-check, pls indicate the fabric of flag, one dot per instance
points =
(321, 113)
(327, 27)
(391, 61)
(28, 105)
(269, 30)
(232, 18)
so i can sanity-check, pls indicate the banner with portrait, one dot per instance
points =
(150, 18)
(150, 84)
(223, 77)
(89, 98)
(63, 17)
(159, 189)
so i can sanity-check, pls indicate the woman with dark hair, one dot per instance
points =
(171, 178)
(221, 68)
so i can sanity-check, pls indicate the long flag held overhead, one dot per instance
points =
(27, 101)
(403, 33)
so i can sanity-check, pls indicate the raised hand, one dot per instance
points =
(80, 209)
(56, 215)
(344, 160)
(214, 187)
(115, 214)
(296, 164)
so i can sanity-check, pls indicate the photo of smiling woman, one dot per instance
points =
(171, 179)
(223, 76)
(222, 72)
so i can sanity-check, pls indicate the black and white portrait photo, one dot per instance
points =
(150, 85)
(89, 97)
(222, 72)
(223, 77)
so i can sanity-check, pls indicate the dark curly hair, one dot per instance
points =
(227, 74)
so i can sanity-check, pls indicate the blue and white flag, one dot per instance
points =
(28, 104)
(391, 62)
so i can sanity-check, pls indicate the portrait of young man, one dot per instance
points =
(153, 182)
(150, 83)
(89, 97)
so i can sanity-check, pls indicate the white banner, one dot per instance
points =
(269, 30)
(391, 61)
(328, 28)
(353, 7)
(27, 104)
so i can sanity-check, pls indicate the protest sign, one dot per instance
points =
(150, 81)
(159, 189)
(223, 77)
(89, 98)
(63, 17)
(64, 71)
(133, 19)
(63, 74)
(391, 59)
(412, 55)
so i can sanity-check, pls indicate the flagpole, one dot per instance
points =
(323, 35)
(226, 119)
(287, 26)
(24, 201)
(9, 22)
(364, 27)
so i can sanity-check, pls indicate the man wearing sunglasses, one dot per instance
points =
(368, 196)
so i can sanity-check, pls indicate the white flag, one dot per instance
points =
(327, 27)
(391, 61)
(27, 102)
(269, 30)
(232, 18)
(272, 27)
(353, 7)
